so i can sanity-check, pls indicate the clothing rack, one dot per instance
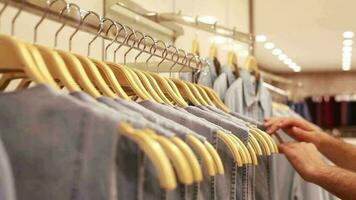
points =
(178, 56)
(179, 18)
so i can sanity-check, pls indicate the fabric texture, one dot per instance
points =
(60, 148)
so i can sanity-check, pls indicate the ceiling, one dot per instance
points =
(309, 32)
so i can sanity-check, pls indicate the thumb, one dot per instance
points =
(299, 134)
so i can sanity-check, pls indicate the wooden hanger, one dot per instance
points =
(146, 82)
(125, 77)
(72, 63)
(156, 154)
(176, 156)
(163, 83)
(192, 160)
(17, 58)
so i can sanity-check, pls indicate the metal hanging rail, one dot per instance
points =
(38, 7)
(179, 18)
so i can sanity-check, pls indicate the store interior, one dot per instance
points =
(302, 50)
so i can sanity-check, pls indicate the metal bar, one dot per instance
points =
(90, 26)
(193, 22)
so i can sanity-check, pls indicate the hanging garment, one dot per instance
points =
(202, 127)
(7, 186)
(208, 75)
(223, 81)
(251, 99)
(66, 143)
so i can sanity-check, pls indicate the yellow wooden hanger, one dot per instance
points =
(192, 160)
(156, 154)
(200, 149)
(73, 64)
(126, 77)
(163, 83)
(39, 63)
(146, 82)
(176, 156)
(153, 82)
(17, 58)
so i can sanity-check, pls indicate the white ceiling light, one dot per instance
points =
(288, 61)
(261, 38)
(207, 19)
(219, 39)
(348, 34)
(346, 55)
(346, 67)
(277, 52)
(348, 42)
(293, 65)
(297, 69)
(347, 49)
(269, 45)
(282, 57)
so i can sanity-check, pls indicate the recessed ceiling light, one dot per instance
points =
(347, 49)
(346, 54)
(288, 61)
(348, 42)
(269, 45)
(348, 34)
(207, 19)
(293, 65)
(297, 69)
(282, 57)
(346, 67)
(277, 52)
(261, 38)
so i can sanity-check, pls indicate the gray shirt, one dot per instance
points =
(58, 146)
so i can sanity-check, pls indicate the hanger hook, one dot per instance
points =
(154, 48)
(16, 17)
(164, 54)
(133, 33)
(175, 53)
(121, 43)
(118, 31)
(184, 61)
(113, 24)
(178, 57)
(66, 8)
(197, 60)
(87, 14)
(3, 9)
(144, 45)
(49, 5)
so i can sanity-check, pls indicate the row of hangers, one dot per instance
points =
(250, 62)
(31, 62)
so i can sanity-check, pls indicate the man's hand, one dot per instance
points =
(297, 128)
(305, 158)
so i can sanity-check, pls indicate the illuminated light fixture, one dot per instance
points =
(348, 34)
(269, 45)
(293, 65)
(348, 42)
(346, 67)
(347, 49)
(282, 57)
(188, 19)
(207, 19)
(288, 61)
(346, 55)
(297, 69)
(277, 52)
(261, 38)
(219, 39)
